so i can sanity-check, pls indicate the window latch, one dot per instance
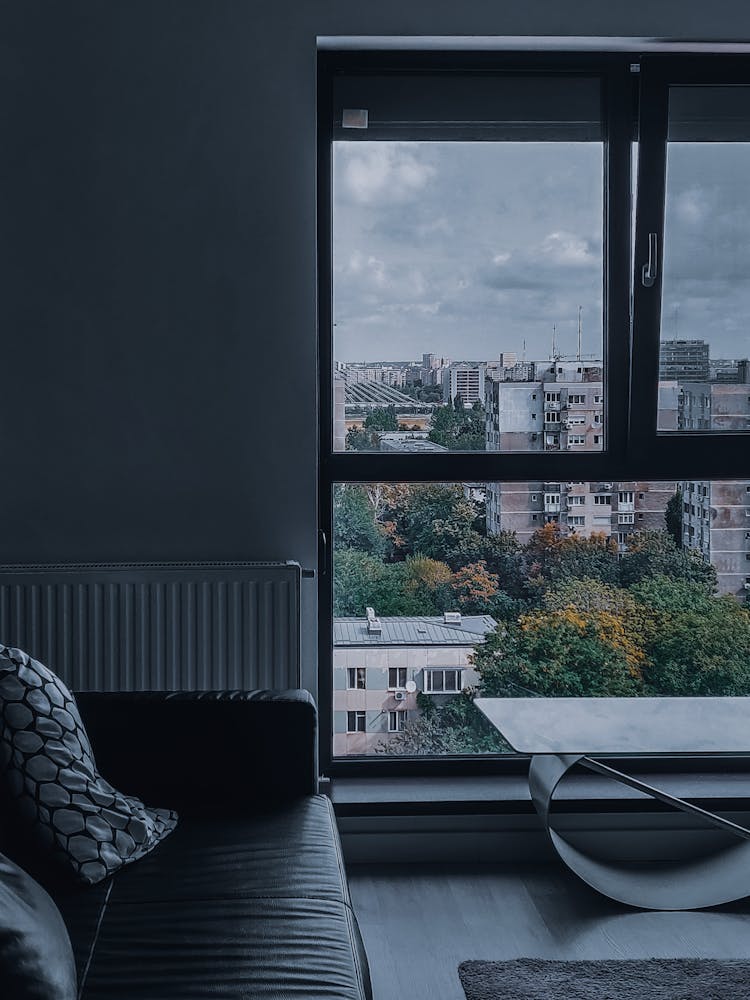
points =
(648, 271)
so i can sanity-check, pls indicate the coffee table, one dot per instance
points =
(561, 732)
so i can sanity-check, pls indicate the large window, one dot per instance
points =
(522, 414)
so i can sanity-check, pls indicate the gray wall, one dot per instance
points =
(158, 260)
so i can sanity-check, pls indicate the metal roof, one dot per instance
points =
(413, 631)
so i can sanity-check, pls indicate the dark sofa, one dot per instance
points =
(248, 897)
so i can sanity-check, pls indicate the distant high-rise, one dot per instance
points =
(685, 360)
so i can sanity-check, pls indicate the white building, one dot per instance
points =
(381, 664)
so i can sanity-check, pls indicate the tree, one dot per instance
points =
(654, 553)
(382, 418)
(552, 556)
(360, 581)
(458, 428)
(360, 440)
(701, 653)
(354, 526)
(455, 726)
(562, 653)
(673, 518)
(437, 520)
(475, 588)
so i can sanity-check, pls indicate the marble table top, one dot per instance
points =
(621, 725)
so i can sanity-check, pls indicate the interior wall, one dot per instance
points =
(159, 261)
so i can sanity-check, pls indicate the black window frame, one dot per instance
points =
(631, 450)
(717, 454)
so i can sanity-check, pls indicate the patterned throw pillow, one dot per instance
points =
(48, 766)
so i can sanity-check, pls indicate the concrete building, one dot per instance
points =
(684, 360)
(381, 664)
(614, 509)
(559, 405)
(464, 379)
(716, 522)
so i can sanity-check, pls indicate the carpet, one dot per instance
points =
(649, 979)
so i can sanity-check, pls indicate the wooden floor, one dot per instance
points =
(419, 923)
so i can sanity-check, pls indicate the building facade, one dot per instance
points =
(380, 665)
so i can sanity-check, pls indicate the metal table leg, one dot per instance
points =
(721, 877)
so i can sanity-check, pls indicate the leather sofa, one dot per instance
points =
(248, 897)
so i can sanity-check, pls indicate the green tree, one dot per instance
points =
(455, 726)
(361, 580)
(552, 556)
(673, 518)
(562, 653)
(654, 553)
(382, 418)
(354, 525)
(360, 440)
(457, 427)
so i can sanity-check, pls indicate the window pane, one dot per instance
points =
(705, 338)
(467, 281)
(557, 589)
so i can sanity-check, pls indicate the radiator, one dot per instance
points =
(157, 626)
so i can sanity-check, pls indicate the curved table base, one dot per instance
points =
(721, 877)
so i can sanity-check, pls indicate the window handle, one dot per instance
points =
(648, 271)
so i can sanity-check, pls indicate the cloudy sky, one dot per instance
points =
(470, 249)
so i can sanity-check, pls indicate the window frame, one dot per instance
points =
(628, 452)
(716, 454)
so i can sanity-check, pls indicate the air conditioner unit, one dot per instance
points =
(746, 586)
(399, 695)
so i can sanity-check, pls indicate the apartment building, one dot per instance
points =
(716, 522)
(616, 509)
(716, 515)
(466, 380)
(556, 405)
(381, 664)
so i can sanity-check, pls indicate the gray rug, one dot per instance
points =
(650, 979)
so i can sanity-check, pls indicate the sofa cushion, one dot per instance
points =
(227, 949)
(290, 849)
(49, 769)
(36, 959)
(228, 907)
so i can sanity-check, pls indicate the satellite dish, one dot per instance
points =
(411, 686)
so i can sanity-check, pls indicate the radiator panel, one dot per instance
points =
(157, 626)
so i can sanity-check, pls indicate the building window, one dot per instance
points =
(576, 520)
(576, 439)
(576, 399)
(356, 722)
(396, 678)
(625, 518)
(597, 439)
(397, 722)
(356, 678)
(603, 499)
(442, 681)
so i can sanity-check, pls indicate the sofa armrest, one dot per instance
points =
(205, 751)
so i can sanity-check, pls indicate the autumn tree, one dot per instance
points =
(561, 653)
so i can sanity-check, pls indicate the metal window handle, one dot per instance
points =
(648, 271)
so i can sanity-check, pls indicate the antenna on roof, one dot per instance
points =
(554, 331)
(580, 309)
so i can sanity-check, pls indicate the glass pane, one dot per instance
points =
(449, 590)
(467, 290)
(705, 337)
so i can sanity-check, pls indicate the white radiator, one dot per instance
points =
(157, 626)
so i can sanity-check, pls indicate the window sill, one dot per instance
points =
(509, 794)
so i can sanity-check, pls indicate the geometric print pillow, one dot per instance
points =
(48, 766)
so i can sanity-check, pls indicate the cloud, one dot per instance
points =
(381, 172)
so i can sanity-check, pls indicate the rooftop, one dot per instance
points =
(413, 631)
